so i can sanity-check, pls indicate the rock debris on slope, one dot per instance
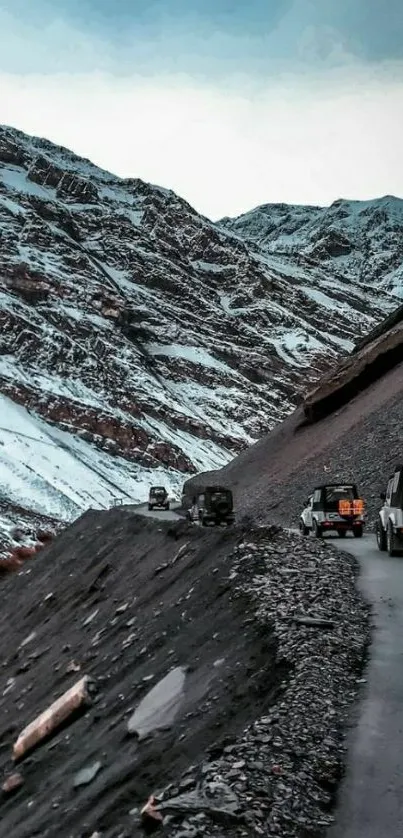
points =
(361, 442)
(261, 637)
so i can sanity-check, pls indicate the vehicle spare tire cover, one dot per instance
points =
(222, 506)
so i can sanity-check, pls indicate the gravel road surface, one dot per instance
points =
(158, 514)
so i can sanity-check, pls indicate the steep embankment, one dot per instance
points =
(349, 427)
(251, 729)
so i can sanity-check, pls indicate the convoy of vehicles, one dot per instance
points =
(389, 526)
(334, 507)
(213, 506)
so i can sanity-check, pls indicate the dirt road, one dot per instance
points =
(371, 797)
(158, 514)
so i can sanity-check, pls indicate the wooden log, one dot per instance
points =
(76, 697)
(150, 816)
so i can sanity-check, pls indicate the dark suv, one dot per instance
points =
(158, 498)
(213, 506)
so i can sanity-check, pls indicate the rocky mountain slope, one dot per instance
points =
(348, 427)
(356, 240)
(146, 342)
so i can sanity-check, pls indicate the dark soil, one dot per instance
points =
(182, 615)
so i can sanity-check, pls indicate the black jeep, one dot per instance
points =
(158, 498)
(213, 506)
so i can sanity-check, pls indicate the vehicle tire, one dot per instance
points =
(380, 536)
(150, 507)
(316, 529)
(390, 541)
(341, 533)
(304, 530)
(167, 506)
(358, 532)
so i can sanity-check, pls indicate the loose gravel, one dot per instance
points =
(279, 778)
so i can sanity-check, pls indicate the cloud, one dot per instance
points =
(226, 147)
(326, 45)
(203, 38)
(230, 104)
(112, 16)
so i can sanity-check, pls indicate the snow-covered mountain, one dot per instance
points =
(147, 342)
(46, 469)
(356, 240)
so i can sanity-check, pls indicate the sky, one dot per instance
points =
(231, 103)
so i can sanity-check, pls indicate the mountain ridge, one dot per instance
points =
(154, 338)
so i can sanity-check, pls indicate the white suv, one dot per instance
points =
(334, 507)
(389, 526)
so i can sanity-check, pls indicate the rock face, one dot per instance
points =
(359, 441)
(380, 352)
(156, 343)
(356, 240)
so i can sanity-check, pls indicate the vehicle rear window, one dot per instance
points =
(336, 493)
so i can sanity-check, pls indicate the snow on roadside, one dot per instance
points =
(46, 470)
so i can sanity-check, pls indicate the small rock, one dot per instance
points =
(86, 775)
(239, 764)
(73, 666)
